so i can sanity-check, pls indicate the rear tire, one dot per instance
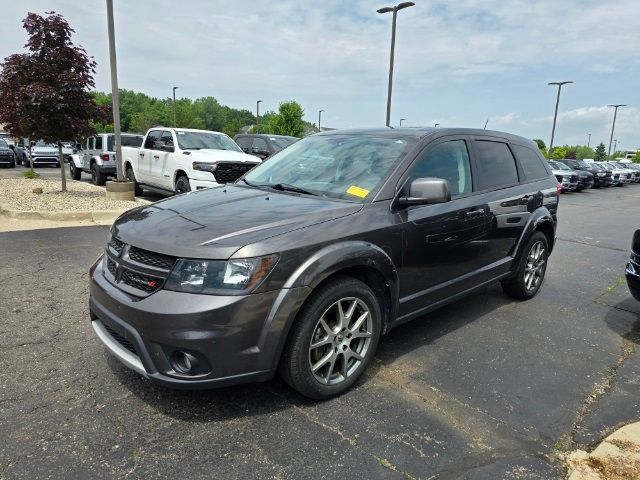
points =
(531, 270)
(97, 177)
(137, 189)
(76, 173)
(333, 339)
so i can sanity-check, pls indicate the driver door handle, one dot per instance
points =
(156, 156)
(474, 213)
(141, 154)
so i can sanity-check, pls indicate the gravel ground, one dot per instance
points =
(15, 193)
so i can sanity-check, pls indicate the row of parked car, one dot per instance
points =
(578, 175)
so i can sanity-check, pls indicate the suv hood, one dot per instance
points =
(212, 155)
(216, 222)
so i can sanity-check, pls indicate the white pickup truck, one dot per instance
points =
(178, 160)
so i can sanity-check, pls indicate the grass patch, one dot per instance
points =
(30, 175)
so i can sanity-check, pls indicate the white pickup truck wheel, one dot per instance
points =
(182, 185)
(75, 172)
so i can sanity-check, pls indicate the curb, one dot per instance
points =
(65, 216)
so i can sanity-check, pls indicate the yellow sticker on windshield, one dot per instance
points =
(357, 191)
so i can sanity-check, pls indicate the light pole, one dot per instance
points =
(393, 9)
(485, 124)
(615, 146)
(175, 123)
(401, 121)
(258, 112)
(319, 119)
(613, 127)
(589, 140)
(555, 115)
(114, 90)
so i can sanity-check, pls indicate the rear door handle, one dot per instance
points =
(141, 154)
(156, 156)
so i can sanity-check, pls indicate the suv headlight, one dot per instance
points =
(216, 277)
(204, 167)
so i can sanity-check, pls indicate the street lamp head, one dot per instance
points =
(402, 5)
(320, 111)
(175, 88)
(559, 83)
(616, 106)
(385, 10)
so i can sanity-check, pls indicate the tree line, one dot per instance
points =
(580, 152)
(139, 112)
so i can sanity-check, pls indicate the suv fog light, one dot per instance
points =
(184, 362)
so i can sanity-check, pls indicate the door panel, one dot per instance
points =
(145, 157)
(159, 173)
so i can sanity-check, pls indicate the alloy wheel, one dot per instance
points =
(340, 341)
(535, 267)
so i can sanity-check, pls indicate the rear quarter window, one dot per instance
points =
(496, 165)
(532, 165)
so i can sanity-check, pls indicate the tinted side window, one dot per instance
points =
(154, 136)
(244, 143)
(496, 165)
(260, 144)
(447, 160)
(167, 138)
(531, 163)
(98, 143)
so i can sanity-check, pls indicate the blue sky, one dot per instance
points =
(457, 63)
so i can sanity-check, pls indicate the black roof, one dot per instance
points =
(419, 132)
(264, 135)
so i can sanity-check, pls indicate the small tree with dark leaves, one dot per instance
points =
(45, 93)
(600, 153)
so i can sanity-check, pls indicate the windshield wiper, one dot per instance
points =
(285, 187)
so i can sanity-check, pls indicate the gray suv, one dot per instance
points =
(306, 261)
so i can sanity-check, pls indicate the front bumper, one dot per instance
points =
(237, 338)
(632, 273)
(200, 184)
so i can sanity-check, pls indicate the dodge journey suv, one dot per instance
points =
(305, 262)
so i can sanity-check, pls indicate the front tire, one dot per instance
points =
(182, 185)
(530, 274)
(334, 338)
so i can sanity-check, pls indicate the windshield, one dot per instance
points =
(3, 144)
(586, 164)
(199, 140)
(562, 166)
(125, 140)
(282, 142)
(337, 166)
(43, 144)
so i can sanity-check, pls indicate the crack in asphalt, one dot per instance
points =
(581, 242)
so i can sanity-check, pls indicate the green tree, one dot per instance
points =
(600, 153)
(636, 157)
(558, 153)
(288, 121)
(617, 154)
(583, 152)
(541, 146)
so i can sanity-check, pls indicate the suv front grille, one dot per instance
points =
(230, 172)
(574, 178)
(135, 270)
(120, 339)
(150, 258)
(116, 244)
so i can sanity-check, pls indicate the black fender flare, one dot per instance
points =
(538, 218)
(311, 273)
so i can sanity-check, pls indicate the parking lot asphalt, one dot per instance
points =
(487, 388)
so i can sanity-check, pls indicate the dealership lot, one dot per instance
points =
(484, 388)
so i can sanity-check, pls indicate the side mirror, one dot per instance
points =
(258, 151)
(12, 147)
(424, 191)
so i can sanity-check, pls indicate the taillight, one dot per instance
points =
(558, 188)
(105, 157)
